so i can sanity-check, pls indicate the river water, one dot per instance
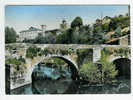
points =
(58, 81)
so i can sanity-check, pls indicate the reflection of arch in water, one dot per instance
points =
(123, 65)
(72, 88)
(72, 65)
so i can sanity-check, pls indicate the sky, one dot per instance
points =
(23, 17)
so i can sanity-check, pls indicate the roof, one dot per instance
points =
(112, 40)
(31, 29)
(55, 30)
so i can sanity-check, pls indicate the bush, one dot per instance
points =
(106, 73)
(32, 52)
(90, 72)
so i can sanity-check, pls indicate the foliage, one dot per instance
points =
(28, 40)
(59, 62)
(119, 21)
(48, 39)
(77, 22)
(84, 55)
(32, 52)
(122, 52)
(65, 37)
(15, 61)
(106, 73)
(19, 64)
(83, 36)
(117, 33)
(86, 34)
(108, 69)
(10, 35)
(98, 37)
(90, 72)
(44, 52)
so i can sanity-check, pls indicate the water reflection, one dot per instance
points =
(49, 80)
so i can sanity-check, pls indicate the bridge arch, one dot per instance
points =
(123, 65)
(71, 63)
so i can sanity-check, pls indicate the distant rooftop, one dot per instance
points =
(31, 29)
(54, 30)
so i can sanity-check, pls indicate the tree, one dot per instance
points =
(49, 39)
(66, 37)
(108, 70)
(98, 37)
(77, 22)
(39, 39)
(10, 35)
(117, 33)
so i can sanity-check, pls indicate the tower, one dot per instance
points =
(63, 25)
(43, 27)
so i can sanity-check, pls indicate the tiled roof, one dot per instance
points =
(112, 40)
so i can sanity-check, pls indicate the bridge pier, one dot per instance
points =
(96, 54)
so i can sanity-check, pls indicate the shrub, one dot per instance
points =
(90, 72)
(32, 52)
(106, 73)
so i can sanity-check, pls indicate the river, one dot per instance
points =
(58, 81)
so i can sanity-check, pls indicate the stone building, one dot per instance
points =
(29, 34)
(33, 32)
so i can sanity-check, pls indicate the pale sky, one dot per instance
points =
(23, 17)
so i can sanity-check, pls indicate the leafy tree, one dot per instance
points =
(66, 37)
(98, 37)
(10, 35)
(48, 39)
(77, 22)
(119, 21)
(39, 39)
(83, 36)
(117, 33)
(105, 27)
(108, 69)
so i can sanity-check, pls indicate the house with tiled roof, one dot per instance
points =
(124, 40)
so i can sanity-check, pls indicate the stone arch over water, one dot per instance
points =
(123, 65)
(71, 63)
(70, 82)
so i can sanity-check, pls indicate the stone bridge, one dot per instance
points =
(68, 53)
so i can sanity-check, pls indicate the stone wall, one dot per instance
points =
(124, 40)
